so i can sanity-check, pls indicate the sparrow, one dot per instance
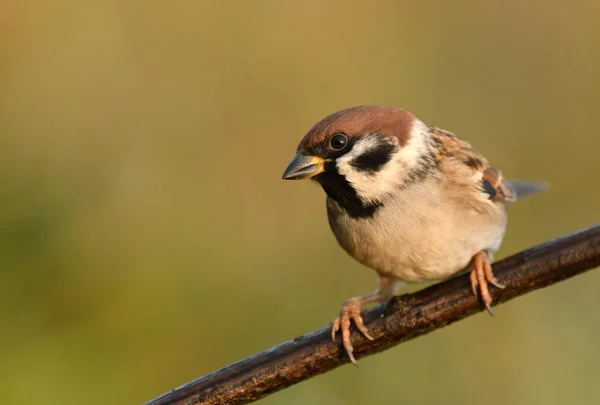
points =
(412, 202)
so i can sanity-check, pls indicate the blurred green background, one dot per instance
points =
(146, 236)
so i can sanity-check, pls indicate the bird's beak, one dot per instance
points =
(304, 167)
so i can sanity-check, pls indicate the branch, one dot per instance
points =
(403, 318)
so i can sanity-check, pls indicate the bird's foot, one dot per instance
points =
(350, 312)
(481, 276)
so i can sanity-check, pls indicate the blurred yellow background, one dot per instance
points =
(146, 236)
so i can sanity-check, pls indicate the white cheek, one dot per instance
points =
(416, 147)
(372, 187)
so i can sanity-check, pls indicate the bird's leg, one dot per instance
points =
(481, 276)
(352, 308)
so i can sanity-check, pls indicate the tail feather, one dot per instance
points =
(525, 188)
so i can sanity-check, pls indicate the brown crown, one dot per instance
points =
(386, 120)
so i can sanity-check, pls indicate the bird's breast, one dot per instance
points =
(418, 237)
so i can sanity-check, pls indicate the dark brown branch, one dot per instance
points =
(404, 318)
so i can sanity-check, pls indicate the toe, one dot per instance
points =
(486, 297)
(474, 282)
(334, 328)
(489, 275)
(358, 321)
(346, 337)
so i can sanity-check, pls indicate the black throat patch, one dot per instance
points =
(341, 191)
(370, 161)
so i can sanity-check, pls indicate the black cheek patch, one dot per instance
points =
(372, 160)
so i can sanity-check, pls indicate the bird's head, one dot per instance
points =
(361, 155)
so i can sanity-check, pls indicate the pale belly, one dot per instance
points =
(418, 242)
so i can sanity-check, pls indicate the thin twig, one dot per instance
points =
(404, 318)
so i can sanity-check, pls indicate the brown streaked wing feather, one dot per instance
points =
(492, 182)
(497, 188)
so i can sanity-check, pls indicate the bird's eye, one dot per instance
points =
(338, 141)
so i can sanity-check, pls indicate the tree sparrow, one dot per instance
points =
(411, 201)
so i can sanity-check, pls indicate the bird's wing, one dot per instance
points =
(492, 182)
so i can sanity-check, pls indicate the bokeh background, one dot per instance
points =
(146, 236)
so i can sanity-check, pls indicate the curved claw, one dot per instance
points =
(489, 275)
